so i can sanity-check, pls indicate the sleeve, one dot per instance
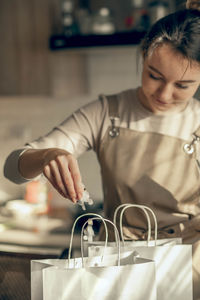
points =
(11, 170)
(80, 132)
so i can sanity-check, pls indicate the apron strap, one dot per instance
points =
(114, 115)
(113, 106)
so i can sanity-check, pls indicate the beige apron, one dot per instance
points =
(155, 170)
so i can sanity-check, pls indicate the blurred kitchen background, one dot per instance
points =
(55, 56)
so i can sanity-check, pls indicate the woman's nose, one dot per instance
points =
(164, 93)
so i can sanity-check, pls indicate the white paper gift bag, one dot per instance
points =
(133, 280)
(173, 268)
(173, 265)
(119, 276)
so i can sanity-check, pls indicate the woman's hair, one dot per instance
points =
(181, 30)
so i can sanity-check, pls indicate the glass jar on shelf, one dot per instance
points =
(158, 10)
(138, 19)
(102, 22)
(69, 23)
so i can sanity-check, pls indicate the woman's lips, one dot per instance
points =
(161, 102)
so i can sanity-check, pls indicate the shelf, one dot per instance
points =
(57, 42)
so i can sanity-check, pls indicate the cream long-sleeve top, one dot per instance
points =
(85, 128)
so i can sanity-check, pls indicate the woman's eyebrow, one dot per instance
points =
(183, 81)
(155, 70)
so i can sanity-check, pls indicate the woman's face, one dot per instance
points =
(168, 81)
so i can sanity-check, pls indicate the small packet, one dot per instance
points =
(85, 199)
(89, 232)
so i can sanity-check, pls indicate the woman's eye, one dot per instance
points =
(154, 77)
(180, 86)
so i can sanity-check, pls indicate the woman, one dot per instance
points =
(146, 140)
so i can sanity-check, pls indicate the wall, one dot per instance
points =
(113, 69)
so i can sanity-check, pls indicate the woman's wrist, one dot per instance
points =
(31, 163)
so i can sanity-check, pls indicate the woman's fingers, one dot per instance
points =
(68, 167)
(76, 176)
(57, 175)
(63, 173)
(49, 175)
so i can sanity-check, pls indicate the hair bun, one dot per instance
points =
(193, 4)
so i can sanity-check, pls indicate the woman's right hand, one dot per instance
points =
(62, 171)
(59, 167)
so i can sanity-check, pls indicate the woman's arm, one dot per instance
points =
(51, 154)
(59, 167)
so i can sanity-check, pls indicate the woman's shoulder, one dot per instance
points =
(123, 99)
(123, 104)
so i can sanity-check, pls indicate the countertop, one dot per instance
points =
(43, 235)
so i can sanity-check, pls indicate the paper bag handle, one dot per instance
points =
(148, 219)
(117, 238)
(142, 207)
(73, 227)
(137, 206)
